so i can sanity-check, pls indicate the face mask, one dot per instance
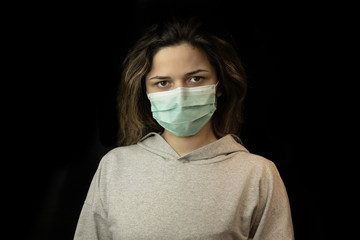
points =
(183, 111)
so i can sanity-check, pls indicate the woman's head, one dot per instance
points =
(218, 57)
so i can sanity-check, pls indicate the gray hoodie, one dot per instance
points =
(219, 191)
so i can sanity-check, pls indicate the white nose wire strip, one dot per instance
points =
(181, 89)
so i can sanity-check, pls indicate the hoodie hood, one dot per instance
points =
(217, 151)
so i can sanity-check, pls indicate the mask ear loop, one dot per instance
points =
(216, 90)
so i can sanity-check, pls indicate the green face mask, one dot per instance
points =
(183, 111)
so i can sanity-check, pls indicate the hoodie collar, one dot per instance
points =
(213, 152)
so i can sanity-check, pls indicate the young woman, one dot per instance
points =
(181, 171)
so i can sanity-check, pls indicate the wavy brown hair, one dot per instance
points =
(134, 107)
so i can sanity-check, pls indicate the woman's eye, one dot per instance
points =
(195, 79)
(162, 84)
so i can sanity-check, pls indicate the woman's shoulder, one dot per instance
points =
(244, 157)
(122, 155)
(130, 149)
(254, 163)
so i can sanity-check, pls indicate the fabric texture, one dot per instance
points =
(219, 191)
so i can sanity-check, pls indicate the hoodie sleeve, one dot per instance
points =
(272, 218)
(92, 223)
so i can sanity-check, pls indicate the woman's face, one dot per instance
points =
(179, 66)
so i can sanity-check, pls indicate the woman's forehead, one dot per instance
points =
(180, 58)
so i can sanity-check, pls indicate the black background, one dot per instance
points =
(63, 113)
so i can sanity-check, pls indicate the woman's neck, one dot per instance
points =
(185, 145)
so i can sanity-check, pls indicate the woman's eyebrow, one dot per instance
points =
(160, 77)
(195, 72)
(186, 74)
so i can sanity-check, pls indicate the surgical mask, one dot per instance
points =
(183, 111)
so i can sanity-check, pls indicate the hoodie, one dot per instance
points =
(219, 191)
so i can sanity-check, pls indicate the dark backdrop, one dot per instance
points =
(69, 57)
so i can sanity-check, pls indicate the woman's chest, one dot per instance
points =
(174, 205)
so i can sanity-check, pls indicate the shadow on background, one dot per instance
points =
(73, 53)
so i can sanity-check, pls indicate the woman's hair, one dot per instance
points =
(134, 107)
